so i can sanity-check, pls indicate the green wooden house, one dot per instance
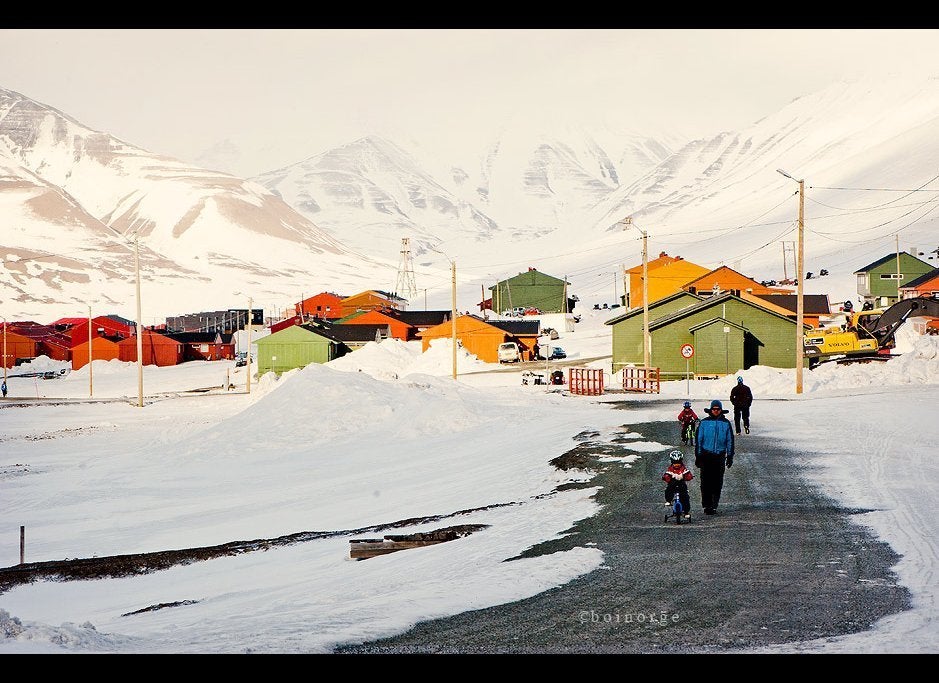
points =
(627, 328)
(728, 334)
(296, 347)
(531, 289)
(878, 283)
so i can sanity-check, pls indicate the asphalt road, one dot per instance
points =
(780, 562)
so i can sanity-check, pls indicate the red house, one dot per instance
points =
(102, 326)
(324, 305)
(157, 350)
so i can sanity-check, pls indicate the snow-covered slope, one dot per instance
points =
(210, 233)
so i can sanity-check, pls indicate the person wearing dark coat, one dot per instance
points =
(713, 452)
(741, 397)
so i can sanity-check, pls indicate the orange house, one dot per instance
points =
(667, 276)
(726, 279)
(482, 338)
(370, 300)
(157, 350)
(325, 305)
(399, 329)
(17, 346)
(102, 348)
(924, 285)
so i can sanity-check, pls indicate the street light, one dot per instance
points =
(646, 339)
(800, 330)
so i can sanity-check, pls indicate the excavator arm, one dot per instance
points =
(885, 329)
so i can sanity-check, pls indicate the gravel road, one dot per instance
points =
(780, 562)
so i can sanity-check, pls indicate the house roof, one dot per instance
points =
(726, 269)
(352, 333)
(45, 334)
(652, 305)
(422, 318)
(532, 274)
(922, 279)
(70, 321)
(200, 337)
(706, 303)
(662, 259)
(517, 327)
(883, 260)
(713, 321)
(814, 304)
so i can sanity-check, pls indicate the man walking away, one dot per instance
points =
(713, 451)
(741, 397)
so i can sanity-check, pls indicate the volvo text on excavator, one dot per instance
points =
(866, 335)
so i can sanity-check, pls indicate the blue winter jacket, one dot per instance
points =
(715, 435)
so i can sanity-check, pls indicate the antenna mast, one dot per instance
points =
(405, 285)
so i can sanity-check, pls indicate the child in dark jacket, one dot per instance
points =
(676, 479)
(687, 418)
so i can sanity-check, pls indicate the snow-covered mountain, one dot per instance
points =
(373, 193)
(547, 197)
(74, 199)
(529, 182)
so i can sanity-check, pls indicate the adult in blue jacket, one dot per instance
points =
(713, 451)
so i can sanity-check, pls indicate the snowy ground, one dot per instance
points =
(381, 435)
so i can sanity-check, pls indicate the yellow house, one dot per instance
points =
(667, 276)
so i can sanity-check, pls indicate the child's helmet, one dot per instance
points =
(676, 456)
(687, 404)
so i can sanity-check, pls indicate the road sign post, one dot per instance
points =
(687, 351)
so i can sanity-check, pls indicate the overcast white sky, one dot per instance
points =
(282, 95)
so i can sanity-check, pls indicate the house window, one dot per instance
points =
(891, 276)
(204, 348)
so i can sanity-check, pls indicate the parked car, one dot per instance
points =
(516, 312)
(241, 359)
(509, 353)
(551, 332)
(557, 353)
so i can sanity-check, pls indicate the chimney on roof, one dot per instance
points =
(662, 254)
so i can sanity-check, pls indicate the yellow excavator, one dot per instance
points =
(866, 335)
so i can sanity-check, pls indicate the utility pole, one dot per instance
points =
(453, 312)
(565, 299)
(898, 265)
(248, 366)
(5, 325)
(646, 340)
(139, 326)
(91, 385)
(800, 309)
(800, 306)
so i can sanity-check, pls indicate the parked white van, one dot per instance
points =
(509, 353)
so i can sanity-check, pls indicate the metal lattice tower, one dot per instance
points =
(405, 285)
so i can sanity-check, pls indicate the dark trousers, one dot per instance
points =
(712, 479)
(744, 412)
(681, 486)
